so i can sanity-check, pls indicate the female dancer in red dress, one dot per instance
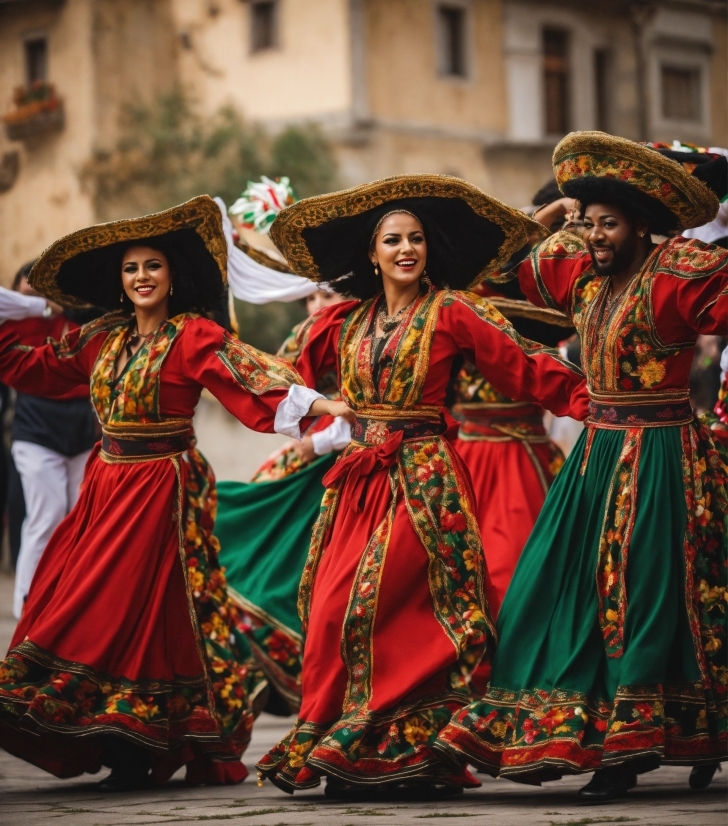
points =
(127, 653)
(393, 596)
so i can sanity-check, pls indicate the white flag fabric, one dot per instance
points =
(255, 283)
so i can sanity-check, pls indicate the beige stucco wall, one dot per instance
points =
(46, 200)
(719, 83)
(135, 58)
(306, 77)
(404, 84)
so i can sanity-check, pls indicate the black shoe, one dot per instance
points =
(702, 775)
(609, 783)
(337, 789)
(125, 781)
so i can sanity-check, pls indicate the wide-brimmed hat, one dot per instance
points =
(83, 268)
(590, 165)
(468, 233)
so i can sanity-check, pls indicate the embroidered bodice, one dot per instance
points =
(642, 340)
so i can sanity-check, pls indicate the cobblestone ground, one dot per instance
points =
(30, 797)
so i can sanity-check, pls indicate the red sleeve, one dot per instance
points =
(318, 343)
(250, 384)
(547, 276)
(690, 291)
(57, 369)
(516, 367)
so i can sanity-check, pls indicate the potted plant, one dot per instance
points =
(37, 110)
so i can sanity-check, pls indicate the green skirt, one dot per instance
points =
(612, 635)
(265, 532)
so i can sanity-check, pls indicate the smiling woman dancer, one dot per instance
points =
(393, 596)
(125, 655)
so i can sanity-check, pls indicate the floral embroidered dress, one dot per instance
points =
(613, 631)
(393, 598)
(128, 629)
(265, 530)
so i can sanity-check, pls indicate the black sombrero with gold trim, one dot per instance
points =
(469, 234)
(84, 268)
(587, 164)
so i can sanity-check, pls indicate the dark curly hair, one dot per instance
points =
(634, 204)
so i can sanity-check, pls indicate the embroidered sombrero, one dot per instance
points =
(592, 165)
(468, 233)
(85, 267)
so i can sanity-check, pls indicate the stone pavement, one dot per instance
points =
(30, 797)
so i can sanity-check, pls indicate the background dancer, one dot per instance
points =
(504, 444)
(127, 653)
(626, 672)
(265, 532)
(52, 439)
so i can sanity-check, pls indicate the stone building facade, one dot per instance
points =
(477, 88)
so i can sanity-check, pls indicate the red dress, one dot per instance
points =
(127, 629)
(393, 596)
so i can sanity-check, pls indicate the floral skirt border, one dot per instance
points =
(548, 734)
(367, 749)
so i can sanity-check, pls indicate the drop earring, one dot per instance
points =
(171, 290)
(376, 270)
(425, 279)
(121, 298)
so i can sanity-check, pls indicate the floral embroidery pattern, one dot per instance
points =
(361, 744)
(448, 530)
(134, 396)
(253, 370)
(511, 733)
(614, 544)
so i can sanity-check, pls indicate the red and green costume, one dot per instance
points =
(394, 596)
(613, 632)
(265, 530)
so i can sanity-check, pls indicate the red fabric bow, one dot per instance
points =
(361, 463)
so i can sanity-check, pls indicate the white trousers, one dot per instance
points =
(50, 483)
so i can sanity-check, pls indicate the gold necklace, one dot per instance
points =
(390, 322)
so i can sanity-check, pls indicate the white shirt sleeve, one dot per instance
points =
(335, 437)
(293, 408)
(16, 306)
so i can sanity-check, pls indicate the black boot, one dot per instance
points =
(702, 775)
(609, 783)
(130, 765)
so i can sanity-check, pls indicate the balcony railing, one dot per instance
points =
(37, 110)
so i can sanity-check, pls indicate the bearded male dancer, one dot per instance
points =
(612, 653)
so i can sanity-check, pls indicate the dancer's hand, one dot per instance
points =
(304, 449)
(340, 408)
(325, 407)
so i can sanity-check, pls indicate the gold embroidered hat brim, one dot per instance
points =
(582, 155)
(541, 324)
(198, 222)
(306, 217)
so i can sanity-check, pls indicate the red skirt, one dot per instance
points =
(510, 481)
(127, 632)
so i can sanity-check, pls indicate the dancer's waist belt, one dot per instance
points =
(145, 442)
(500, 422)
(369, 431)
(625, 410)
